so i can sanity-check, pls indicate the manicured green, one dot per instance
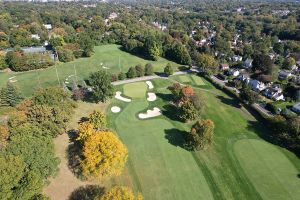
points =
(112, 58)
(198, 80)
(161, 168)
(135, 90)
(273, 175)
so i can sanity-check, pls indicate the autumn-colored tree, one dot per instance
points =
(201, 134)
(4, 133)
(187, 92)
(120, 193)
(98, 119)
(85, 130)
(104, 155)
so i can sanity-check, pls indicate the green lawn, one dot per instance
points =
(111, 57)
(232, 168)
(135, 90)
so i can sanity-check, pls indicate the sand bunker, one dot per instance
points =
(115, 109)
(150, 85)
(118, 96)
(151, 96)
(150, 113)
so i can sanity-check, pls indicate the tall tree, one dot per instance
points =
(101, 84)
(120, 193)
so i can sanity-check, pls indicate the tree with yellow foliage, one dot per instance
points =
(85, 130)
(104, 155)
(98, 119)
(120, 193)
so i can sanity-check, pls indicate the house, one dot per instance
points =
(256, 85)
(236, 58)
(248, 63)
(48, 26)
(274, 92)
(224, 66)
(113, 16)
(296, 108)
(272, 56)
(234, 72)
(296, 79)
(35, 36)
(242, 77)
(284, 74)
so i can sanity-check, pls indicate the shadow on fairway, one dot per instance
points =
(74, 153)
(87, 192)
(170, 111)
(229, 101)
(177, 138)
(165, 97)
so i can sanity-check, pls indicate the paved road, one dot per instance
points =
(146, 78)
(255, 105)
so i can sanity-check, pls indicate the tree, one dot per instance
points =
(65, 55)
(4, 134)
(278, 48)
(12, 170)
(98, 120)
(104, 155)
(10, 95)
(178, 53)
(85, 130)
(120, 193)
(131, 72)
(263, 63)
(288, 63)
(101, 84)
(122, 76)
(168, 70)
(3, 64)
(248, 95)
(149, 69)
(140, 71)
(56, 41)
(207, 63)
(201, 134)
(152, 49)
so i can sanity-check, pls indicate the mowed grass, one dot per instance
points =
(135, 90)
(272, 173)
(160, 168)
(112, 58)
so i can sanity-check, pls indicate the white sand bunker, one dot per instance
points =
(151, 96)
(118, 96)
(150, 85)
(150, 113)
(115, 109)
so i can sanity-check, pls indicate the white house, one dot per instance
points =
(296, 108)
(35, 36)
(224, 66)
(234, 72)
(256, 85)
(248, 63)
(236, 58)
(274, 92)
(48, 26)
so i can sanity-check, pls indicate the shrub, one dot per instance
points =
(140, 71)
(149, 69)
(65, 55)
(131, 72)
(168, 70)
(122, 76)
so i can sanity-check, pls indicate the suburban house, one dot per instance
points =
(35, 36)
(242, 77)
(284, 74)
(48, 26)
(234, 72)
(256, 85)
(236, 58)
(224, 66)
(274, 92)
(248, 63)
(296, 108)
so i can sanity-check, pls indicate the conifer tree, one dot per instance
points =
(13, 94)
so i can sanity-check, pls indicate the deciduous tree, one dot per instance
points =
(120, 193)
(102, 87)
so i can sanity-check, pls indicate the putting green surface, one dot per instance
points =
(239, 164)
(271, 173)
(135, 90)
(198, 80)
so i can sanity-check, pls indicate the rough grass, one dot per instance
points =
(108, 55)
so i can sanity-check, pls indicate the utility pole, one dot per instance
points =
(75, 72)
(57, 75)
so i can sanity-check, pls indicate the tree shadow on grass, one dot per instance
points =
(88, 192)
(230, 101)
(177, 138)
(165, 97)
(171, 112)
(74, 153)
